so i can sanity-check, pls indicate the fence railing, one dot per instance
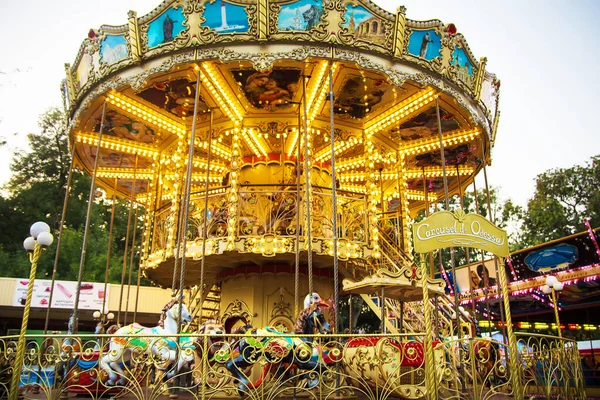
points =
(269, 365)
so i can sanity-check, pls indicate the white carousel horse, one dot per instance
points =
(134, 339)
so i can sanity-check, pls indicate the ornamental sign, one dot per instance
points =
(457, 229)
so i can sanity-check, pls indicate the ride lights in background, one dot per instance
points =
(552, 286)
(39, 240)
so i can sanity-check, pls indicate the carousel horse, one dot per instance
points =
(282, 351)
(134, 340)
(190, 348)
(215, 340)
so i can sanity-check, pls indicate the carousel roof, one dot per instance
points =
(264, 70)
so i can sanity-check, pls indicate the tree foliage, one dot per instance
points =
(36, 191)
(563, 198)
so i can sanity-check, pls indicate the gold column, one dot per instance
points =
(149, 217)
(479, 79)
(555, 304)
(135, 48)
(372, 197)
(403, 204)
(262, 20)
(232, 198)
(70, 84)
(515, 376)
(399, 31)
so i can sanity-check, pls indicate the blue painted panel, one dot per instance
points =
(166, 27)
(226, 18)
(113, 49)
(302, 15)
(425, 44)
(460, 59)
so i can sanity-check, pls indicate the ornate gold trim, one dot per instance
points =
(479, 78)
(70, 86)
(399, 32)
(135, 49)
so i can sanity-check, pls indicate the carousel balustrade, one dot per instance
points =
(365, 365)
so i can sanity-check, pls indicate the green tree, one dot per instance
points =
(563, 198)
(36, 192)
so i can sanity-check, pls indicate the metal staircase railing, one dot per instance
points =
(411, 314)
(206, 308)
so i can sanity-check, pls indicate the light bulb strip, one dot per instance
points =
(340, 147)
(432, 144)
(219, 93)
(146, 113)
(217, 149)
(403, 109)
(198, 177)
(254, 142)
(126, 173)
(353, 177)
(215, 166)
(353, 188)
(121, 145)
(350, 163)
(292, 142)
(314, 93)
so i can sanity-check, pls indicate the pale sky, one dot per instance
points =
(544, 51)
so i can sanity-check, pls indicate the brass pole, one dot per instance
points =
(307, 169)
(297, 253)
(426, 193)
(59, 241)
(108, 250)
(186, 203)
(452, 263)
(336, 270)
(137, 289)
(124, 270)
(132, 253)
(205, 230)
(88, 217)
(515, 376)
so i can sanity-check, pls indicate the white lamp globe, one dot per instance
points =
(110, 316)
(38, 228)
(96, 314)
(45, 239)
(551, 281)
(29, 243)
(546, 289)
(559, 286)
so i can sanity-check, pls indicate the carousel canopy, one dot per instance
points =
(263, 70)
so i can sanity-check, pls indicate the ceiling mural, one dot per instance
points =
(425, 125)
(271, 90)
(113, 159)
(360, 95)
(124, 127)
(177, 97)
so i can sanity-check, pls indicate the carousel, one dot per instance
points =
(279, 152)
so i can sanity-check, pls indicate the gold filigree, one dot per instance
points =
(237, 309)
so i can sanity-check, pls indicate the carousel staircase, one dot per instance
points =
(408, 317)
(206, 308)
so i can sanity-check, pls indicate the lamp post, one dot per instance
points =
(40, 239)
(552, 286)
(103, 317)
